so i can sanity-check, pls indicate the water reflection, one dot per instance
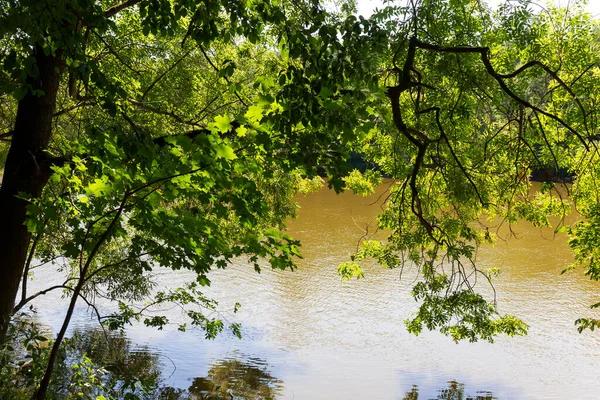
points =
(238, 379)
(114, 352)
(454, 391)
(246, 378)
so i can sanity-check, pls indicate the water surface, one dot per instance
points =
(308, 335)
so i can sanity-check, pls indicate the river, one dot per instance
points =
(308, 335)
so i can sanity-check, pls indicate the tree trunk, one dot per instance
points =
(26, 172)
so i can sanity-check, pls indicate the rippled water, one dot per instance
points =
(307, 335)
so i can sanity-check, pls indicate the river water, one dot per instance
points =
(308, 335)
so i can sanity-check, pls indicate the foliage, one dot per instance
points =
(92, 365)
(363, 184)
(183, 130)
(23, 359)
(476, 101)
(163, 152)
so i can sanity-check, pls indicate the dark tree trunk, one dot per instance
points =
(26, 171)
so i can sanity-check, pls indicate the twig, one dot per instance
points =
(217, 69)
(158, 78)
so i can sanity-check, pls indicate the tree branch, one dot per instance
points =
(41, 392)
(217, 69)
(23, 302)
(114, 53)
(171, 114)
(73, 107)
(445, 137)
(484, 53)
(114, 10)
(107, 266)
(34, 244)
(149, 88)
(97, 312)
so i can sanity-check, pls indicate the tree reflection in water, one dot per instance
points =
(116, 353)
(233, 378)
(243, 377)
(137, 370)
(454, 391)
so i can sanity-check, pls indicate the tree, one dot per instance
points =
(140, 176)
(477, 101)
(174, 133)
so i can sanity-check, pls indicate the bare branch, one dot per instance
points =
(73, 107)
(43, 387)
(34, 244)
(114, 53)
(97, 312)
(484, 53)
(115, 264)
(462, 168)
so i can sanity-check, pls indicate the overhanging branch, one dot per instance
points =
(421, 141)
(484, 53)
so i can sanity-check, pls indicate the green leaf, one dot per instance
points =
(325, 92)
(223, 123)
(254, 114)
(20, 92)
(203, 280)
(97, 187)
(225, 152)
